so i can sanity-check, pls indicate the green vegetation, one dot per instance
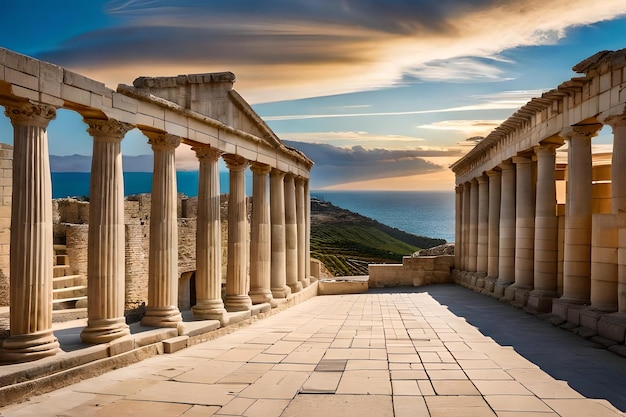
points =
(347, 242)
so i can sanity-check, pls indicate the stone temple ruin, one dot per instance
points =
(201, 111)
(517, 241)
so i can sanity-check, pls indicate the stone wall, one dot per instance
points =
(6, 172)
(414, 271)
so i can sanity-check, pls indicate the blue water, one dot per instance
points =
(424, 213)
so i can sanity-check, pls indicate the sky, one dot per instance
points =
(379, 94)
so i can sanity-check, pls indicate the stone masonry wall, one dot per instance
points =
(6, 172)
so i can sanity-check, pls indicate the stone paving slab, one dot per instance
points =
(382, 355)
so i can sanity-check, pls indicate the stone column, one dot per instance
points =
(260, 237)
(466, 225)
(577, 245)
(291, 234)
(209, 304)
(483, 224)
(493, 246)
(106, 237)
(618, 200)
(280, 290)
(162, 309)
(301, 231)
(618, 167)
(546, 231)
(307, 236)
(524, 229)
(31, 253)
(458, 227)
(237, 279)
(473, 226)
(506, 264)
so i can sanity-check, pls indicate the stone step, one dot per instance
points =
(69, 292)
(69, 303)
(60, 270)
(68, 281)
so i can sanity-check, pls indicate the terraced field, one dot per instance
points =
(347, 242)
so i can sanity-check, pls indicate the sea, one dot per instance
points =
(423, 213)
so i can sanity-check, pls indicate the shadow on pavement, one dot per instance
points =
(591, 370)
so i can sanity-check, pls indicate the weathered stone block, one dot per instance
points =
(175, 344)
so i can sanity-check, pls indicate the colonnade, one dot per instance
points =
(267, 259)
(515, 240)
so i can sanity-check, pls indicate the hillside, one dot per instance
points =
(346, 242)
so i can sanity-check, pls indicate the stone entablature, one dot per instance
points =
(587, 100)
(515, 240)
(202, 111)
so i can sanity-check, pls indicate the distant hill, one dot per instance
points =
(346, 242)
(82, 163)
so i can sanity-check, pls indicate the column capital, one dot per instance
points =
(546, 149)
(493, 173)
(30, 114)
(521, 160)
(614, 121)
(483, 179)
(277, 172)
(235, 162)
(109, 130)
(162, 141)
(581, 131)
(506, 165)
(206, 152)
(259, 168)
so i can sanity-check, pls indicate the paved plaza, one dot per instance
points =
(386, 353)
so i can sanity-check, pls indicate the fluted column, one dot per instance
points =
(209, 303)
(105, 259)
(618, 167)
(260, 236)
(280, 290)
(301, 231)
(31, 238)
(546, 230)
(307, 236)
(473, 226)
(483, 224)
(493, 228)
(618, 201)
(458, 227)
(577, 245)
(466, 225)
(524, 224)
(237, 279)
(291, 234)
(162, 309)
(506, 264)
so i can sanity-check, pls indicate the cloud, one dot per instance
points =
(350, 138)
(287, 49)
(471, 127)
(335, 165)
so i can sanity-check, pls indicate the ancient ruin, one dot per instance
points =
(201, 111)
(515, 240)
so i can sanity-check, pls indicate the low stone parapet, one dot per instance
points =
(414, 271)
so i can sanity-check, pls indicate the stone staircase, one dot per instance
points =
(69, 291)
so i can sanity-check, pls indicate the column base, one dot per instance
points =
(237, 303)
(305, 282)
(260, 296)
(283, 292)
(104, 330)
(568, 309)
(540, 301)
(295, 286)
(29, 347)
(210, 310)
(161, 317)
(500, 288)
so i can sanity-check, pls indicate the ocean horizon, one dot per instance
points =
(423, 213)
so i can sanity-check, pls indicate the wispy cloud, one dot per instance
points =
(472, 127)
(286, 49)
